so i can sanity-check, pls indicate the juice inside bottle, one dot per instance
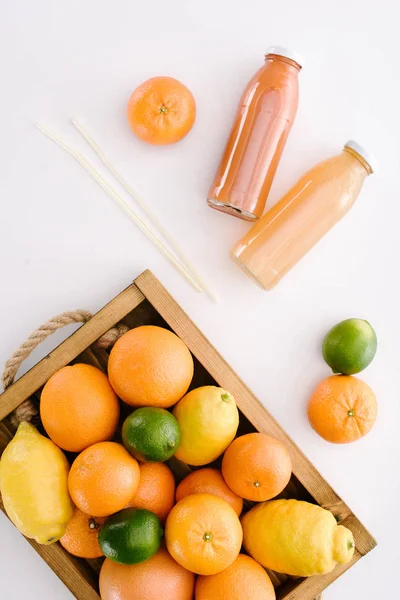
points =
(303, 216)
(265, 116)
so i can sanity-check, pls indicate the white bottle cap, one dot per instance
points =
(363, 153)
(280, 51)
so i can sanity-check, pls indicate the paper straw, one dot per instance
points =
(121, 203)
(145, 207)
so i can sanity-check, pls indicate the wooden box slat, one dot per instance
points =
(147, 302)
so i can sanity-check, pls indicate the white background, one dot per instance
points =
(64, 244)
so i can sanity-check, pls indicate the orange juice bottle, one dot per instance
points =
(300, 219)
(260, 130)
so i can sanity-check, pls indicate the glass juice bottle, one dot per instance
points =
(263, 121)
(303, 216)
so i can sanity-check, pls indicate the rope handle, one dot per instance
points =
(27, 411)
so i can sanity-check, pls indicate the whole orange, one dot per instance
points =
(156, 490)
(245, 579)
(203, 534)
(256, 466)
(159, 578)
(80, 537)
(161, 110)
(150, 366)
(78, 407)
(342, 409)
(103, 479)
(209, 481)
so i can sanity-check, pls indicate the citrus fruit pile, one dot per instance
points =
(163, 537)
(343, 408)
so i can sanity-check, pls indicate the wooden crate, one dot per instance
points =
(147, 302)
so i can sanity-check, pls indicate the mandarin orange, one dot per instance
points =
(203, 534)
(156, 491)
(78, 407)
(245, 579)
(256, 466)
(161, 111)
(103, 479)
(150, 366)
(209, 481)
(80, 537)
(342, 409)
(159, 578)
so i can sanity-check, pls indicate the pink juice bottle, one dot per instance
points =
(263, 121)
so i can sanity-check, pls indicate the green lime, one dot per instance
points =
(130, 536)
(151, 434)
(349, 346)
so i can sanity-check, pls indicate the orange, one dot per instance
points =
(103, 479)
(158, 578)
(78, 407)
(256, 467)
(245, 579)
(203, 534)
(80, 537)
(156, 490)
(342, 409)
(161, 110)
(209, 481)
(150, 366)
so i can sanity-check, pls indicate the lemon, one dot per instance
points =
(350, 346)
(208, 418)
(296, 537)
(34, 485)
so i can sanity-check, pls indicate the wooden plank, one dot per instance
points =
(364, 543)
(339, 509)
(257, 414)
(76, 575)
(88, 357)
(277, 578)
(106, 318)
(311, 587)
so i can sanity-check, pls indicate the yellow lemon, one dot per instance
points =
(208, 418)
(295, 537)
(34, 485)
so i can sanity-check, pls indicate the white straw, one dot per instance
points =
(121, 203)
(145, 207)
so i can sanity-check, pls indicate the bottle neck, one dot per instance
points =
(276, 58)
(358, 160)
